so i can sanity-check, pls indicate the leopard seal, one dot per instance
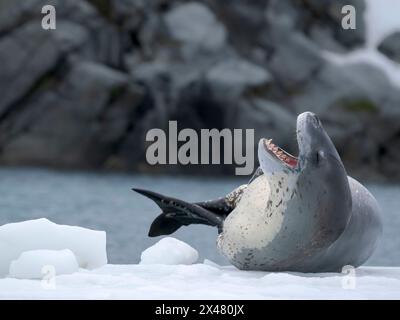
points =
(300, 214)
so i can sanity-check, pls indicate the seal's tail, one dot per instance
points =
(177, 213)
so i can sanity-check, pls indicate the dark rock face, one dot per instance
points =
(390, 46)
(28, 55)
(77, 124)
(354, 103)
(328, 18)
(85, 95)
(295, 60)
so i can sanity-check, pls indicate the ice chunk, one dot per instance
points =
(35, 264)
(88, 246)
(169, 251)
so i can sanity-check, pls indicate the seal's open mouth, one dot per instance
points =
(279, 153)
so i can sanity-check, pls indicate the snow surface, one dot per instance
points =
(200, 281)
(169, 251)
(382, 19)
(166, 272)
(36, 264)
(88, 246)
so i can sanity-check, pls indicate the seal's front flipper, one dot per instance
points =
(221, 207)
(224, 206)
(176, 213)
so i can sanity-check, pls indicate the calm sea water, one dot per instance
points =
(105, 201)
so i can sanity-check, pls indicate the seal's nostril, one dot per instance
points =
(313, 119)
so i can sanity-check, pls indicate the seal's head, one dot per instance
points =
(320, 180)
(317, 153)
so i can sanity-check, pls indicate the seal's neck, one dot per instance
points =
(282, 189)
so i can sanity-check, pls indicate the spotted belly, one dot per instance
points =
(255, 221)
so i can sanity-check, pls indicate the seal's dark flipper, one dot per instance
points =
(176, 213)
(168, 223)
(163, 225)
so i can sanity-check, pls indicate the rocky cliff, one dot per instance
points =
(84, 95)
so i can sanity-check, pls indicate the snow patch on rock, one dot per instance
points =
(382, 20)
(238, 73)
(194, 24)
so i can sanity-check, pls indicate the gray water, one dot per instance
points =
(105, 201)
